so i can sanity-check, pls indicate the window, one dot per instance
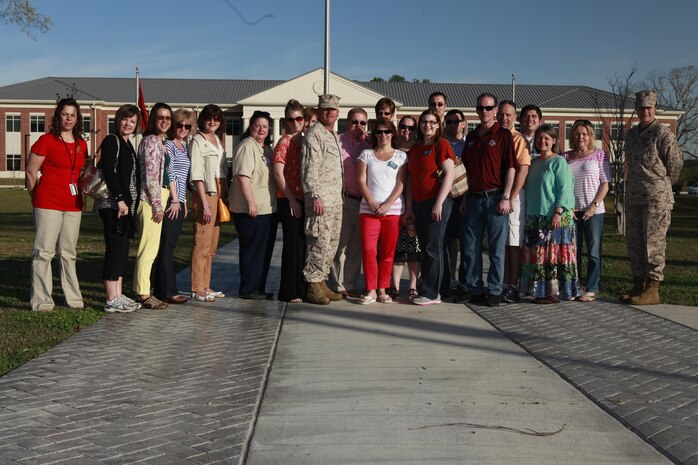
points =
(617, 131)
(37, 123)
(233, 126)
(14, 162)
(13, 123)
(86, 124)
(111, 125)
(568, 130)
(472, 125)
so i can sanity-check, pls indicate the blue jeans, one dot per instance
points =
(591, 232)
(482, 213)
(431, 240)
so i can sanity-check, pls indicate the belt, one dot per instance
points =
(486, 194)
(351, 196)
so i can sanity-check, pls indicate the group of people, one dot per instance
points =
(374, 199)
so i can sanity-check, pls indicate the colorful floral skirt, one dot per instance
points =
(549, 258)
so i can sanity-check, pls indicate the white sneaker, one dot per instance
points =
(421, 300)
(118, 305)
(130, 302)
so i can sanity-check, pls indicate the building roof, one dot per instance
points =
(231, 91)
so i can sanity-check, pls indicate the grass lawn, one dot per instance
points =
(25, 334)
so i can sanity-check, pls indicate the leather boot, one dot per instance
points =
(329, 293)
(650, 296)
(315, 294)
(638, 288)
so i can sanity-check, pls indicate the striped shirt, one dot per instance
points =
(178, 169)
(589, 173)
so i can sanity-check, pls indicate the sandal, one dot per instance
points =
(195, 296)
(215, 294)
(588, 297)
(367, 299)
(297, 300)
(413, 294)
(393, 293)
(551, 299)
(152, 303)
(385, 299)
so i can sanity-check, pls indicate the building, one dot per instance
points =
(27, 107)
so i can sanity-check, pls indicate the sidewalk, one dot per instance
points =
(386, 383)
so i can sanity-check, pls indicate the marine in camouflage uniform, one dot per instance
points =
(322, 174)
(653, 161)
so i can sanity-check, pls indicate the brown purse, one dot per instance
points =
(223, 212)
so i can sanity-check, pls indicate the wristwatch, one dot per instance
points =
(315, 197)
(596, 204)
(505, 197)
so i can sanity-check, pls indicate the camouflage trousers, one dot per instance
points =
(646, 228)
(321, 240)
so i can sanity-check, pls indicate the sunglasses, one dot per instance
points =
(405, 127)
(383, 113)
(163, 118)
(487, 108)
(429, 122)
(356, 121)
(297, 119)
(215, 119)
(382, 131)
(450, 122)
(437, 104)
(183, 126)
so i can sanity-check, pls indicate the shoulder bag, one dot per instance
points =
(91, 180)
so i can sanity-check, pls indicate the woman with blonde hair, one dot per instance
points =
(592, 173)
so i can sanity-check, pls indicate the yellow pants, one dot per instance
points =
(148, 246)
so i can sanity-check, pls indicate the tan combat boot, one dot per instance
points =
(315, 294)
(650, 296)
(330, 294)
(638, 288)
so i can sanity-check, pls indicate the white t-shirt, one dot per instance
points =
(381, 177)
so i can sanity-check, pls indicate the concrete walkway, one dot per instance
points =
(269, 383)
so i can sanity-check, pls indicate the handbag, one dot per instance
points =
(223, 212)
(460, 180)
(91, 180)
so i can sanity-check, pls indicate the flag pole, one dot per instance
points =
(138, 84)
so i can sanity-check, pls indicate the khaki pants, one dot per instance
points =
(205, 243)
(346, 266)
(148, 246)
(55, 231)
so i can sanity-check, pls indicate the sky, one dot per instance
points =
(542, 42)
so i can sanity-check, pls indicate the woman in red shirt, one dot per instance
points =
(428, 201)
(59, 156)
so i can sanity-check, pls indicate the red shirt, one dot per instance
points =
(487, 158)
(61, 167)
(289, 153)
(422, 164)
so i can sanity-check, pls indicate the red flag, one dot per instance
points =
(141, 105)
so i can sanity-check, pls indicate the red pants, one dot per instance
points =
(376, 228)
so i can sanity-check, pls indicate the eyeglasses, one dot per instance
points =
(183, 126)
(430, 122)
(297, 119)
(437, 104)
(405, 127)
(480, 108)
(163, 118)
(382, 131)
(356, 121)
(450, 122)
(215, 119)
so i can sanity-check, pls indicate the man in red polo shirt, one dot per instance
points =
(490, 161)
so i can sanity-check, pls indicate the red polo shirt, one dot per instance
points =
(422, 164)
(488, 158)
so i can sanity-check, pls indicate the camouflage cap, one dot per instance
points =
(328, 101)
(645, 98)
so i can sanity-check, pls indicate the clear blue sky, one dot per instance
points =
(543, 42)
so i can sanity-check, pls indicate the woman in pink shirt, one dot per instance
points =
(592, 173)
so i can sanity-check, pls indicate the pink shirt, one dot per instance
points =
(589, 173)
(351, 148)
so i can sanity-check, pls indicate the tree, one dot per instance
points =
(24, 15)
(377, 79)
(396, 78)
(617, 107)
(678, 90)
